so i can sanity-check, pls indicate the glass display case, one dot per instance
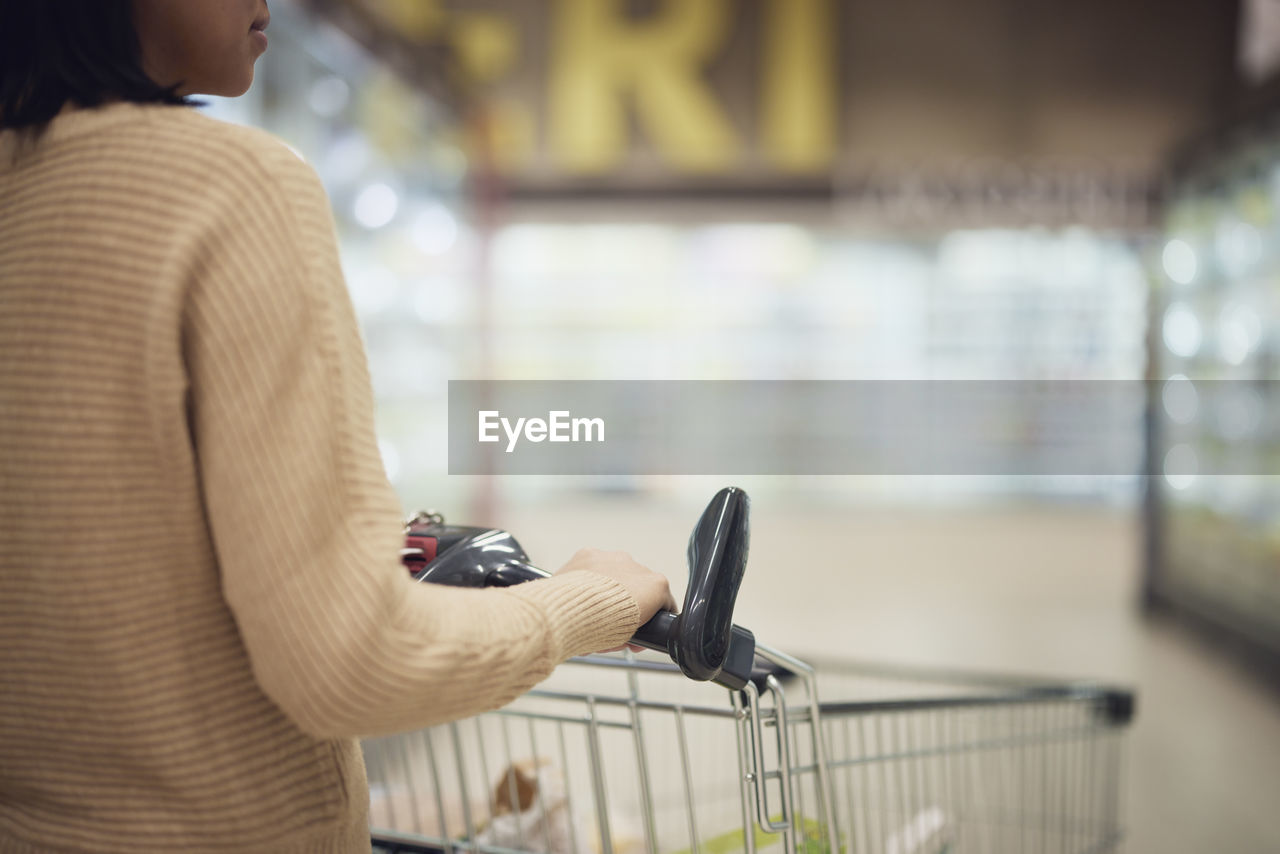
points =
(1216, 437)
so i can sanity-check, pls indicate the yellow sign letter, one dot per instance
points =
(599, 56)
(799, 109)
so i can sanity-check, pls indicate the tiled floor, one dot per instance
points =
(1033, 589)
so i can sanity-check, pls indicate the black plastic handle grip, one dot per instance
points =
(655, 633)
(702, 639)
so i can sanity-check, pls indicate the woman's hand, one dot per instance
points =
(650, 589)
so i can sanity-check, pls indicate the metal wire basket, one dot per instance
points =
(623, 754)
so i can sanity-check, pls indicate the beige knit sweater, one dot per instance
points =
(201, 604)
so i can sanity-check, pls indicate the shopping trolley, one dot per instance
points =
(625, 753)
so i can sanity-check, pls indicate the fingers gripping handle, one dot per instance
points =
(701, 638)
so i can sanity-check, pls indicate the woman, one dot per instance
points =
(201, 604)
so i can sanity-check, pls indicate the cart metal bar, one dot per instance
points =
(745, 774)
(491, 796)
(564, 719)
(683, 737)
(542, 803)
(1013, 689)
(784, 766)
(642, 764)
(597, 779)
(603, 700)
(513, 793)
(797, 667)
(629, 663)
(1108, 701)
(760, 773)
(462, 786)
(436, 789)
(568, 794)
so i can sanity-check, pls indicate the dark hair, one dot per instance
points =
(84, 51)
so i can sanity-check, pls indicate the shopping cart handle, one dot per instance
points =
(734, 672)
(702, 639)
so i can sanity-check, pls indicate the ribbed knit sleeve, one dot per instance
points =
(305, 525)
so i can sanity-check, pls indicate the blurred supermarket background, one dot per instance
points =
(855, 189)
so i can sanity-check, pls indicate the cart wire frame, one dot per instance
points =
(961, 763)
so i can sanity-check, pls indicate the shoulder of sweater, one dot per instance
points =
(217, 147)
(164, 150)
(224, 178)
(224, 172)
